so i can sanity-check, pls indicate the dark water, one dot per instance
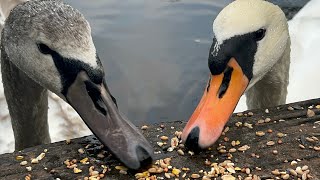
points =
(154, 53)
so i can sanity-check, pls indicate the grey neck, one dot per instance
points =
(271, 90)
(28, 105)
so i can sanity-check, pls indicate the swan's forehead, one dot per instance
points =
(62, 28)
(241, 17)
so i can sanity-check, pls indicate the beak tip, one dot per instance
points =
(192, 141)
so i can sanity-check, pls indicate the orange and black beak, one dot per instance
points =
(231, 71)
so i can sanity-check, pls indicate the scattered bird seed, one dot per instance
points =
(19, 157)
(270, 143)
(285, 176)
(260, 133)
(293, 163)
(34, 161)
(180, 152)
(290, 108)
(302, 146)
(164, 138)
(310, 113)
(144, 127)
(243, 148)
(195, 176)
(29, 168)
(275, 152)
(280, 135)
(23, 163)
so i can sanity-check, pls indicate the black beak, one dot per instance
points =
(97, 108)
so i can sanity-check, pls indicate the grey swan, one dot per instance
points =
(47, 45)
(250, 54)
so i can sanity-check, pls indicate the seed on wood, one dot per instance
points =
(285, 176)
(222, 151)
(260, 121)
(176, 171)
(293, 172)
(250, 113)
(241, 114)
(231, 170)
(267, 120)
(233, 143)
(302, 146)
(29, 168)
(121, 172)
(260, 133)
(258, 168)
(19, 157)
(280, 135)
(238, 124)
(248, 170)
(243, 148)
(191, 153)
(178, 134)
(170, 149)
(226, 139)
(266, 111)
(305, 167)
(290, 108)
(226, 129)
(293, 163)
(304, 176)
(232, 150)
(23, 163)
(180, 152)
(270, 143)
(228, 177)
(34, 161)
(317, 148)
(269, 130)
(144, 127)
(164, 138)
(81, 151)
(309, 139)
(94, 173)
(310, 113)
(142, 175)
(174, 142)
(248, 125)
(195, 176)
(275, 172)
(167, 175)
(152, 170)
(299, 170)
(280, 141)
(274, 152)
(315, 138)
(68, 141)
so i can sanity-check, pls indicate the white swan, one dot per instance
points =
(250, 54)
(47, 44)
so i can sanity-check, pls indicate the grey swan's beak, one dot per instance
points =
(98, 109)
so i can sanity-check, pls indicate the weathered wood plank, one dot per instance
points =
(295, 124)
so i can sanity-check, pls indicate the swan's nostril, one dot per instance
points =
(143, 156)
(192, 141)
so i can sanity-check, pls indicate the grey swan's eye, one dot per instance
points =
(258, 35)
(44, 49)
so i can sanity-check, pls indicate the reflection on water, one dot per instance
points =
(154, 53)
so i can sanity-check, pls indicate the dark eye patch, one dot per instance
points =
(44, 49)
(259, 35)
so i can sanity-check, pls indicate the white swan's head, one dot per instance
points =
(250, 36)
(51, 42)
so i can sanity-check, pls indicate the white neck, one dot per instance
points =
(271, 90)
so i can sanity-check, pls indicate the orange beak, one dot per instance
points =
(215, 108)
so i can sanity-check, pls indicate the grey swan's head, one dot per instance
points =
(250, 37)
(51, 42)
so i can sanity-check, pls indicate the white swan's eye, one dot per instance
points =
(259, 34)
(44, 49)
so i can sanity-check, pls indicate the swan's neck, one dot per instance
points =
(271, 90)
(27, 103)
